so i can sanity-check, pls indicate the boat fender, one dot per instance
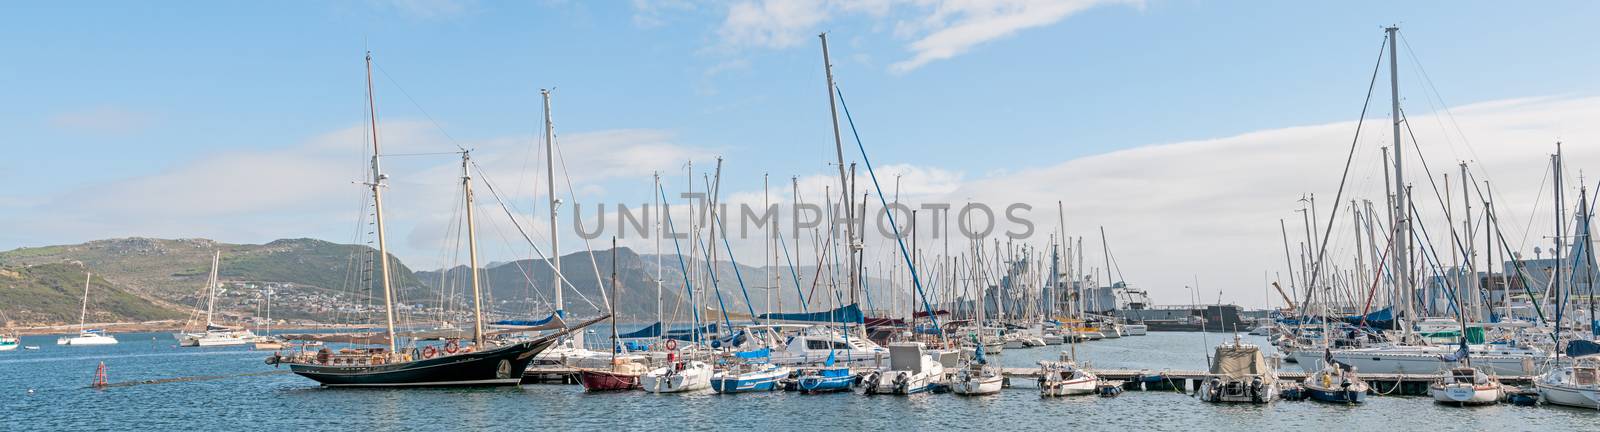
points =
(429, 352)
(451, 347)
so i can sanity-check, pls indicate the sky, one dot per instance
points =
(1186, 129)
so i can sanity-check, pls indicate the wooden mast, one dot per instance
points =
(376, 184)
(472, 251)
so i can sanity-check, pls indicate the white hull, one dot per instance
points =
(1581, 397)
(1218, 391)
(1136, 329)
(217, 339)
(1465, 394)
(1415, 362)
(1075, 387)
(976, 382)
(891, 382)
(8, 343)
(86, 340)
(695, 376)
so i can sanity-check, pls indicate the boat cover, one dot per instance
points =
(847, 314)
(1240, 361)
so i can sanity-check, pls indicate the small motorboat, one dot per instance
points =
(1239, 374)
(1065, 378)
(824, 380)
(1336, 383)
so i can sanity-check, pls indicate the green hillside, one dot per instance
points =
(53, 294)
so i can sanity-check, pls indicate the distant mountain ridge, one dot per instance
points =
(169, 274)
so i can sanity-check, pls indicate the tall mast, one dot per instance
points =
(613, 306)
(83, 314)
(211, 288)
(660, 228)
(550, 188)
(472, 251)
(845, 190)
(1402, 218)
(377, 210)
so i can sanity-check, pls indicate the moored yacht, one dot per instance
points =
(1239, 374)
(910, 371)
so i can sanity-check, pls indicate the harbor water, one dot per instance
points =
(49, 389)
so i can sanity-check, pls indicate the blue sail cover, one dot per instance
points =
(525, 323)
(1381, 318)
(760, 353)
(847, 314)
(688, 334)
(654, 330)
(1580, 348)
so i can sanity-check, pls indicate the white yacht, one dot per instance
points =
(86, 336)
(1136, 329)
(1239, 374)
(1466, 386)
(814, 345)
(677, 377)
(215, 335)
(1065, 378)
(1496, 359)
(910, 371)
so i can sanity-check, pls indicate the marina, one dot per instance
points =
(639, 251)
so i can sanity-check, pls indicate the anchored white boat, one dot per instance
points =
(86, 336)
(677, 377)
(1064, 378)
(1575, 385)
(1136, 329)
(215, 335)
(1466, 386)
(976, 377)
(813, 346)
(910, 371)
(1498, 359)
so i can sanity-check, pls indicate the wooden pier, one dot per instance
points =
(1186, 380)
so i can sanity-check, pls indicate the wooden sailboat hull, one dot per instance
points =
(499, 366)
(597, 380)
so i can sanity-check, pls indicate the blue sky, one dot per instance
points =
(100, 95)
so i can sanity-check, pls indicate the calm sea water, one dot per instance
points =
(60, 399)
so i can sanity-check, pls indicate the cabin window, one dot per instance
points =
(816, 344)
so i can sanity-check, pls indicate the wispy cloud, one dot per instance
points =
(105, 120)
(937, 29)
(956, 27)
(1210, 207)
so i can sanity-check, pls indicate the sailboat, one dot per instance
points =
(484, 362)
(976, 377)
(1575, 384)
(749, 371)
(86, 336)
(1464, 384)
(215, 335)
(1065, 378)
(8, 338)
(1336, 383)
(623, 374)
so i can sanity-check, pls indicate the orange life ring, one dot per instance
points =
(672, 344)
(452, 346)
(429, 351)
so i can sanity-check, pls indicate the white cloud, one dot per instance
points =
(957, 26)
(1210, 207)
(938, 29)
